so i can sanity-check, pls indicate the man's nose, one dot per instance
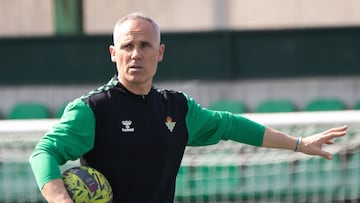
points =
(135, 53)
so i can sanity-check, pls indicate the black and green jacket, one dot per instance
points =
(136, 141)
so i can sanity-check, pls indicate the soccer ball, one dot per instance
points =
(87, 185)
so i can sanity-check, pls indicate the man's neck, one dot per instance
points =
(137, 88)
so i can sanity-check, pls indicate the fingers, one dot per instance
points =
(327, 155)
(340, 130)
(329, 142)
(333, 132)
(313, 145)
(329, 135)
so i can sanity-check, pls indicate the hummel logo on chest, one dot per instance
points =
(127, 126)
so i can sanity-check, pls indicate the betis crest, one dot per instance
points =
(169, 123)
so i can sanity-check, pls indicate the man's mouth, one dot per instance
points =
(135, 67)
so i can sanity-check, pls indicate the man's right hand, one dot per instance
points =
(55, 192)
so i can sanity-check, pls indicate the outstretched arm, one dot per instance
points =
(311, 145)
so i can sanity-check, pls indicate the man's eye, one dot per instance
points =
(144, 45)
(127, 46)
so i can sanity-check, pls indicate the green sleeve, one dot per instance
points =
(69, 139)
(206, 127)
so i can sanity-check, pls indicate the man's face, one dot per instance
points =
(136, 52)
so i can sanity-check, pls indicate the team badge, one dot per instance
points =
(169, 123)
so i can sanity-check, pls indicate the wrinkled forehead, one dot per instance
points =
(135, 29)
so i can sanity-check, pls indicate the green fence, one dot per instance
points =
(220, 55)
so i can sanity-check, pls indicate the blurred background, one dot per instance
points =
(243, 56)
(249, 50)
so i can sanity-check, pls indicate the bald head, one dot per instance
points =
(135, 17)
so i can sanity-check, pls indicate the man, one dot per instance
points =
(136, 134)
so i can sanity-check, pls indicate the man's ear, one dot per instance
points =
(112, 53)
(161, 52)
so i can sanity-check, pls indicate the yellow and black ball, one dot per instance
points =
(87, 185)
